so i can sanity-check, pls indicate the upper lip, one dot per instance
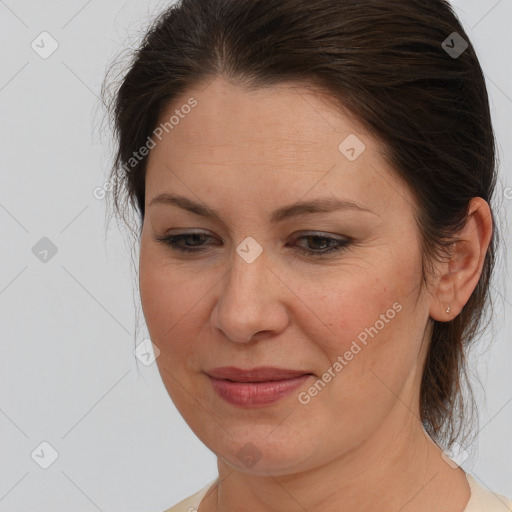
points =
(260, 374)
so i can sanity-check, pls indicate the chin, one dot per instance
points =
(262, 454)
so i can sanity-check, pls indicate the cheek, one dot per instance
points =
(362, 328)
(349, 311)
(169, 300)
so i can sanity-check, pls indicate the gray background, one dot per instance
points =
(68, 375)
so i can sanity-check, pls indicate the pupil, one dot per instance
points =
(319, 241)
(196, 237)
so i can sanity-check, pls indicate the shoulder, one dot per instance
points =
(191, 504)
(484, 500)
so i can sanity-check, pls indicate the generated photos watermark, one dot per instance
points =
(304, 397)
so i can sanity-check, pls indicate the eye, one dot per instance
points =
(322, 245)
(174, 241)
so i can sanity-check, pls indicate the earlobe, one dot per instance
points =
(462, 272)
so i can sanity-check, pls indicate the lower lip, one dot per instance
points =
(256, 394)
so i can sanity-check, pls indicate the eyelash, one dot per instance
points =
(172, 242)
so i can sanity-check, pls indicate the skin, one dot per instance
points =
(358, 444)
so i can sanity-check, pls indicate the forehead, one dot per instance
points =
(284, 138)
(230, 117)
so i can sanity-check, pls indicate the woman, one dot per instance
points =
(314, 185)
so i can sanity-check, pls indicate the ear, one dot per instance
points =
(459, 276)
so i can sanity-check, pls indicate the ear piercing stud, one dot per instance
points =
(448, 310)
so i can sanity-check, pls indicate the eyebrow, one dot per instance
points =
(321, 205)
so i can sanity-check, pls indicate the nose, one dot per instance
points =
(251, 301)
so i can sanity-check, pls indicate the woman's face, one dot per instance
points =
(350, 313)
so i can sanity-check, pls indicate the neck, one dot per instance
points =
(398, 468)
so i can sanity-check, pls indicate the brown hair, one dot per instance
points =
(384, 61)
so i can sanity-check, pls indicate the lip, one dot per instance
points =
(256, 387)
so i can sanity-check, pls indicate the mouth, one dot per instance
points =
(256, 387)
